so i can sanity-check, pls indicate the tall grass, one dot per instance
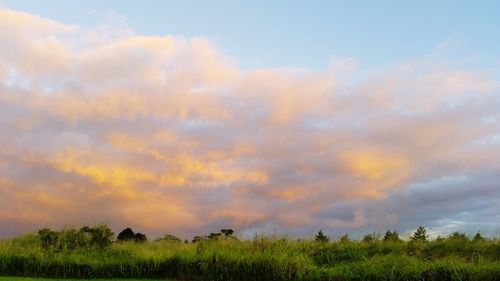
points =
(263, 258)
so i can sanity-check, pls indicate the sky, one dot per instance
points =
(266, 117)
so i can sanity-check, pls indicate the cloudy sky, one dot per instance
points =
(289, 117)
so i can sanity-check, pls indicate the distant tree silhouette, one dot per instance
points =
(227, 232)
(391, 236)
(169, 238)
(126, 235)
(140, 238)
(478, 238)
(320, 237)
(214, 236)
(458, 237)
(199, 238)
(370, 238)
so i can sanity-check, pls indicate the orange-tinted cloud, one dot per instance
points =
(167, 134)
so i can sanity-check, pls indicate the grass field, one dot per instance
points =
(10, 278)
(263, 258)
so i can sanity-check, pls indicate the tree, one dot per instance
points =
(370, 238)
(199, 238)
(214, 236)
(126, 235)
(140, 238)
(420, 235)
(458, 237)
(391, 236)
(227, 232)
(478, 238)
(345, 239)
(48, 238)
(320, 237)
(70, 238)
(169, 238)
(101, 236)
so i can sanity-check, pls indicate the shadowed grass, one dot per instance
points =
(9, 278)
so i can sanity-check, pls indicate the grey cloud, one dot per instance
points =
(168, 135)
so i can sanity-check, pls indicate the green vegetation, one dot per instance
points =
(78, 254)
(320, 237)
(420, 235)
(9, 278)
(392, 236)
(128, 235)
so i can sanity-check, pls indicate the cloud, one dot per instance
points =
(168, 135)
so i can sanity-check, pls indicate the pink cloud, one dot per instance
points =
(168, 134)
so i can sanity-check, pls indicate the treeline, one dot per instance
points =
(420, 235)
(101, 236)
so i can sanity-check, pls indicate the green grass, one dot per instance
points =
(9, 278)
(263, 258)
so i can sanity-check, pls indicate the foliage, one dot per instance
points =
(391, 236)
(370, 238)
(10, 278)
(458, 237)
(320, 237)
(126, 235)
(214, 236)
(262, 258)
(478, 238)
(169, 238)
(199, 238)
(48, 238)
(345, 239)
(99, 237)
(227, 232)
(140, 238)
(420, 235)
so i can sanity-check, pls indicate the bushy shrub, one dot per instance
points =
(370, 238)
(101, 236)
(67, 239)
(48, 238)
